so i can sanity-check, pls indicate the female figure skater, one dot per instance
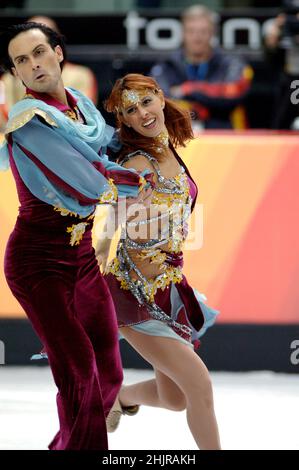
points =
(158, 312)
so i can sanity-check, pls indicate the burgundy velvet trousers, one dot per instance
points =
(70, 307)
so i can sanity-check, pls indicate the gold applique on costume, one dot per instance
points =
(28, 95)
(110, 195)
(156, 257)
(113, 268)
(142, 183)
(65, 212)
(73, 114)
(171, 274)
(162, 141)
(168, 199)
(177, 203)
(77, 231)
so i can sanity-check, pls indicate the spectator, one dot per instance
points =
(281, 43)
(211, 83)
(75, 76)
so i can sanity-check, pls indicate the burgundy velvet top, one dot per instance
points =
(32, 209)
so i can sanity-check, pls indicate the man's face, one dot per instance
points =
(36, 64)
(198, 33)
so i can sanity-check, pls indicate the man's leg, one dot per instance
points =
(49, 306)
(94, 307)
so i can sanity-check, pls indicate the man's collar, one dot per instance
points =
(72, 101)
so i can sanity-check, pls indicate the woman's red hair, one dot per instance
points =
(177, 120)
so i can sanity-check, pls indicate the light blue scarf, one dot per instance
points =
(67, 148)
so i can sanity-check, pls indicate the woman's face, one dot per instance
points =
(143, 111)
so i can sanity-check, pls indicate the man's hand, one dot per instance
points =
(144, 198)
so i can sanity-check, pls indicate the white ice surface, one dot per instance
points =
(256, 410)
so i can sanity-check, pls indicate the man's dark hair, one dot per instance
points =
(54, 39)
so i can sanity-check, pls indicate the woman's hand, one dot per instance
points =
(102, 253)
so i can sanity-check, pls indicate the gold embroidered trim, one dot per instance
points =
(65, 212)
(171, 274)
(110, 195)
(156, 257)
(73, 114)
(169, 199)
(28, 95)
(21, 119)
(142, 183)
(77, 231)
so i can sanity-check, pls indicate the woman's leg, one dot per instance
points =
(161, 392)
(184, 367)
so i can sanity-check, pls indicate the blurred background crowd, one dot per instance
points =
(233, 64)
